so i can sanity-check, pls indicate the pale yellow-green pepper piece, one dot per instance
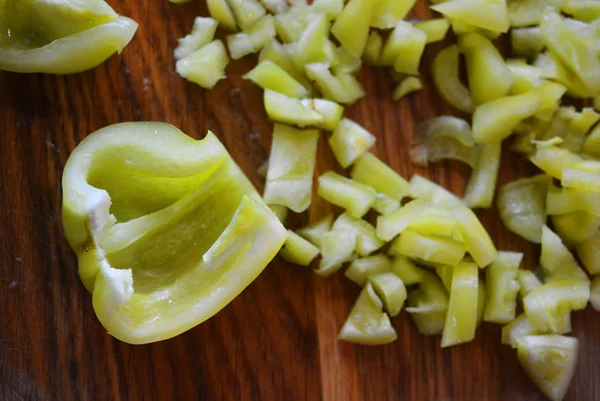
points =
(482, 183)
(202, 34)
(568, 200)
(428, 248)
(367, 240)
(351, 28)
(291, 167)
(373, 47)
(349, 142)
(447, 81)
(571, 49)
(404, 48)
(351, 195)
(435, 29)
(550, 362)
(390, 225)
(169, 189)
(367, 323)
(582, 10)
(589, 253)
(288, 110)
(528, 282)
(522, 206)
(516, 329)
(252, 39)
(275, 6)
(246, 12)
(220, 10)
(361, 269)
(331, 8)
(330, 86)
(556, 260)
(428, 305)
(487, 14)
(461, 317)
(527, 42)
(313, 232)
(502, 290)
(371, 171)
(385, 204)
(496, 120)
(269, 75)
(206, 66)
(337, 248)
(273, 51)
(298, 250)
(526, 77)
(409, 272)
(489, 76)
(391, 291)
(523, 13)
(311, 47)
(387, 12)
(547, 306)
(575, 228)
(60, 37)
(406, 86)
(422, 188)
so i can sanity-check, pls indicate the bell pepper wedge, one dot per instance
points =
(351, 28)
(527, 42)
(522, 206)
(429, 248)
(461, 318)
(391, 291)
(557, 261)
(367, 240)
(350, 141)
(575, 228)
(502, 289)
(60, 37)
(167, 230)
(422, 188)
(446, 78)
(291, 167)
(589, 253)
(516, 329)
(550, 362)
(298, 250)
(353, 196)
(202, 34)
(371, 171)
(367, 323)
(361, 269)
(314, 232)
(487, 14)
(428, 304)
(482, 183)
(528, 282)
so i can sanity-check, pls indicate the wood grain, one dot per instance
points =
(277, 341)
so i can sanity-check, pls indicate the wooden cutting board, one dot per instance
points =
(277, 340)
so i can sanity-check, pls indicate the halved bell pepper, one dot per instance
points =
(60, 36)
(167, 230)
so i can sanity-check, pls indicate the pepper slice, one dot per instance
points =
(167, 230)
(60, 37)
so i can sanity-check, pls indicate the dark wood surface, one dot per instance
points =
(277, 340)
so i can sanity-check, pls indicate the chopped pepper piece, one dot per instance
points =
(288, 110)
(528, 282)
(298, 250)
(220, 10)
(404, 48)
(311, 46)
(373, 47)
(447, 80)
(60, 37)
(496, 120)
(369, 170)
(360, 270)
(589, 253)
(568, 200)
(353, 196)
(269, 75)
(482, 183)
(315, 231)
(391, 291)
(385, 204)
(367, 323)
(130, 188)
(291, 167)
(435, 29)
(428, 305)
(337, 248)
(429, 248)
(388, 226)
(575, 228)
(547, 306)
(202, 34)
(461, 318)
(487, 14)
(367, 240)
(349, 142)
(522, 206)
(527, 42)
(252, 39)
(351, 28)
(387, 12)
(512, 332)
(246, 12)
(422, 188)
(502, 289)
(406, 86)
(206, 66)
(409, 272)
(550, 362)
(595, 293)
(489, 76)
